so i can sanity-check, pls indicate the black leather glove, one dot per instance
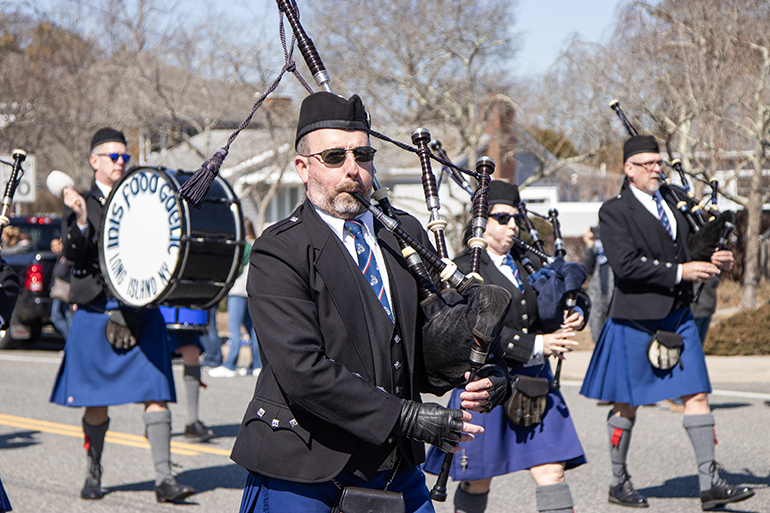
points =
(501, 387)
(118, 331)
(430, 423)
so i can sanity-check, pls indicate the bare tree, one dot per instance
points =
(707, 90)
(695, 75)
(420, 63)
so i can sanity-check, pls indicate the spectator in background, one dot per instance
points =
(212, 343)
(602, 280)
(14, 241)
(237, 316)
(704, 308)
(61, 312)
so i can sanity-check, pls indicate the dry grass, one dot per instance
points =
(730, 292)
(743, 332)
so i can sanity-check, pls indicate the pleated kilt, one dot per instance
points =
(5, 504)
(620, 371)
(93, 373)
(505, 447)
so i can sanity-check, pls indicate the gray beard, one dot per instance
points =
(343, 206)
(653, 186)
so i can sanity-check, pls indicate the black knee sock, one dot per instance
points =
(620, 438)
(192, 383)
(555, 498)
(94, 441)
(158, 426)
(470, 502)
(700, 429)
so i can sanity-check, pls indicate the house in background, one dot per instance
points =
(260, 168)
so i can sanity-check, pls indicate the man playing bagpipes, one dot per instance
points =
(541, 436)
(649, 349)
(336, 411)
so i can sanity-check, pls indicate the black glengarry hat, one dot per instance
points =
(106, 134)
(503, 192)
(327, 110)
(640, 144)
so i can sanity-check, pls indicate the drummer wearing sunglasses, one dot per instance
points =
(98, 371)
(108, 159)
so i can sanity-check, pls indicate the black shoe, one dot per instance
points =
(625, 494)
(92, 489)
(199, 431)
(722, 493)
(171, 491)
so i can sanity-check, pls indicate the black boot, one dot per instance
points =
(721, 492)
(199, 432)
(92, 489)
(625, 494)
(94, 444)
(171, 491)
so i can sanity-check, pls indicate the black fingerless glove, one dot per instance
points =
(430, 423)
(121, 330)
(501, 387)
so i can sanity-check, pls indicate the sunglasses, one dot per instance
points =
(115, 156)
(504, 217)
(336, 156)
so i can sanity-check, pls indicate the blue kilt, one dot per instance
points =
(263, 494)
(620, 371)
(505, 447)
(93, 373)
(5, 504)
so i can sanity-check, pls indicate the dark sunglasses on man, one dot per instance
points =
(115, 156)
(336, 156)
(504, 217)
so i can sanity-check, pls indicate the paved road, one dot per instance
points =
(42, 463)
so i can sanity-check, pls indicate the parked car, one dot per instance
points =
(27, 249)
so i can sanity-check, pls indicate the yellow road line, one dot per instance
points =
(111, 436)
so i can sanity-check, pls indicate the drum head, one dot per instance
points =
(141, 233)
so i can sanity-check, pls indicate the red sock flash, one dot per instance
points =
(616, 434)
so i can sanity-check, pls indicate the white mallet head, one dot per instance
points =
(57, 181)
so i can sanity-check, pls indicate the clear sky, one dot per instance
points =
(546, 25)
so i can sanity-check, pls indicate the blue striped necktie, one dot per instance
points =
(662, 215)
(368, 264)
(507, 260)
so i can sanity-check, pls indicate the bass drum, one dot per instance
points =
(155, 249)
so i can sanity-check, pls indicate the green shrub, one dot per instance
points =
(745, 333)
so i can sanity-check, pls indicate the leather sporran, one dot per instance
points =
(526, 407)
(354, 499)
(60, 290)
(664, 350)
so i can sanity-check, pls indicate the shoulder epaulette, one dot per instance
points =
(283, 225)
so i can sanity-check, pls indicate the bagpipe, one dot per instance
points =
(17, 172)
(465, 316)
(709, 228)
(558, 283)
